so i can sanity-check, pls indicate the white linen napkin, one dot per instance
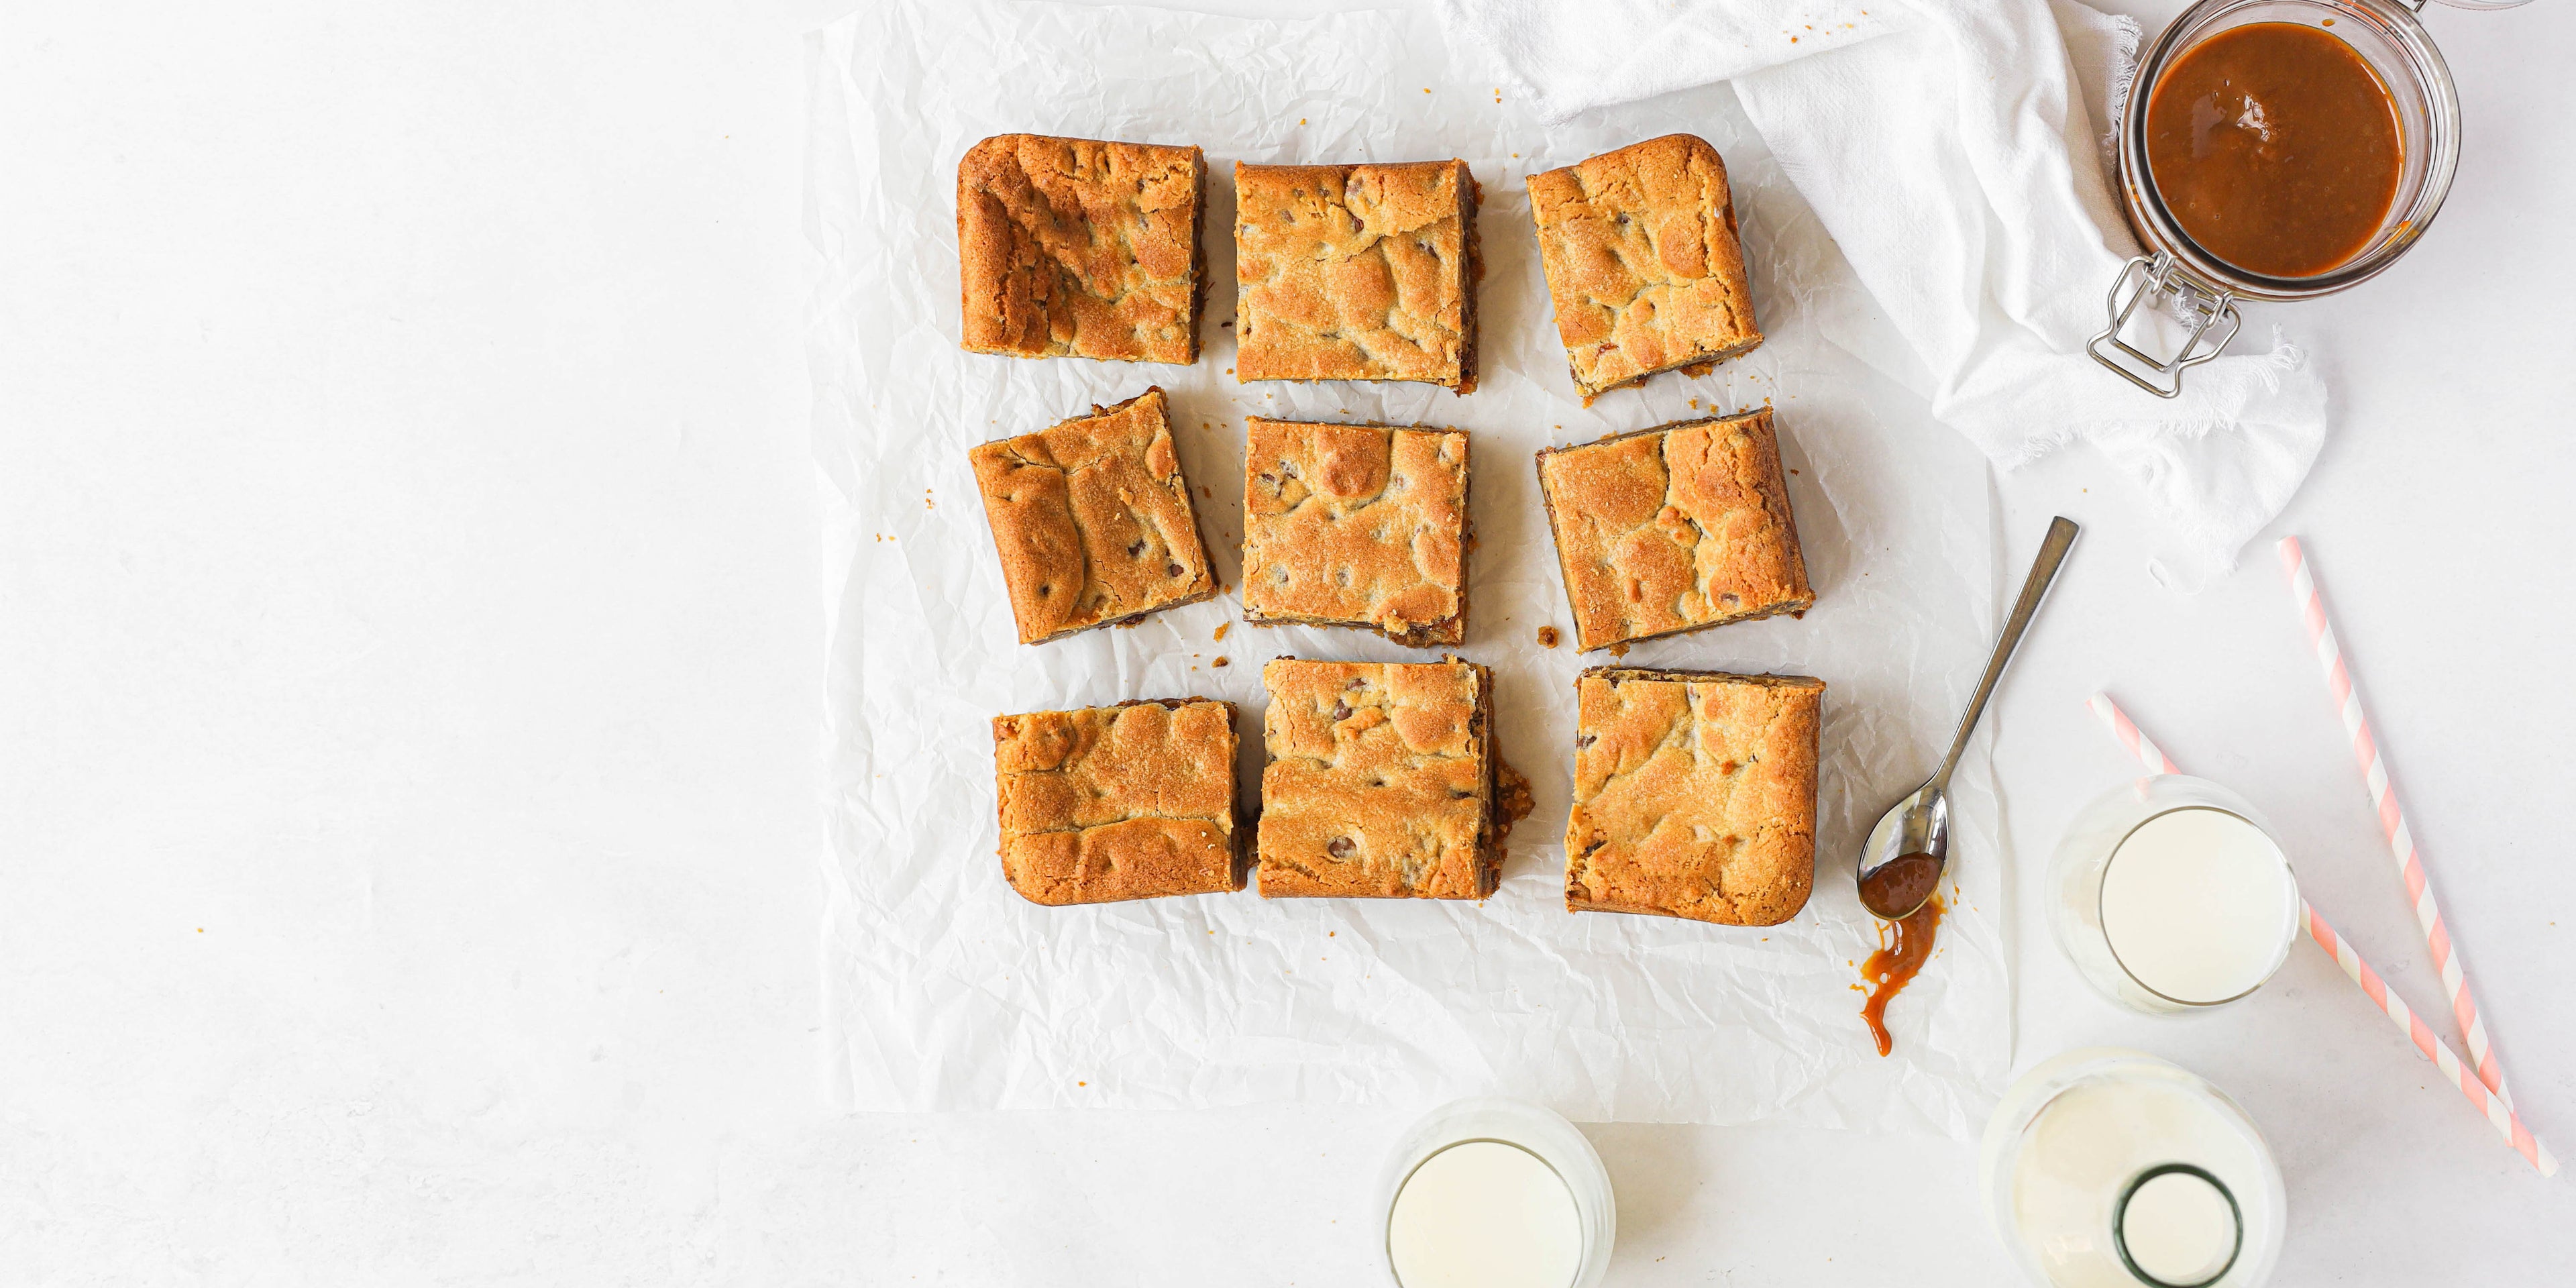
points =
(1949, 147)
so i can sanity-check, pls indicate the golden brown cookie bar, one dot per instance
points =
(1642, 262)
(1134, 801)
(1356, 272)
(1380, 781)
(1079, 248)
(1356, 525)
(1673, 529)
(1694, 795)
(1093, 520)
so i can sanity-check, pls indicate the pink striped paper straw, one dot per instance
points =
(2127, 732)
(2499, 1115)
(2493, 1108)
(2392, 820)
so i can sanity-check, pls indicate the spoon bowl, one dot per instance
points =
(1902, 862)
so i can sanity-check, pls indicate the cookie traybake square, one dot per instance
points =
(1380, 781)
(1134, 801)
(1673, 529)
(1356, 525)
(1694, 795)
(1356, 272)
(1079, 248)
(1643, 263)
(1093, 520)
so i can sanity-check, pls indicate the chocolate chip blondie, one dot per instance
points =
(1694, 795)
(1093, 521)
(1643, 262)
(1134, 801)
(1081, 248)
(1356, 272)
(1381, 781)
(1356, 525)
(1674, 528)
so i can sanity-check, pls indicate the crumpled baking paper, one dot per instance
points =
(945, 990)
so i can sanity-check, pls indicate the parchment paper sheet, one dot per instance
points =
(944, 990)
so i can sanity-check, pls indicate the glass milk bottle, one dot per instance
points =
(2105, 1168)
(2169, 894)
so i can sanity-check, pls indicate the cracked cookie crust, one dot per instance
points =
(1134, 801)
(1675, 528)
(1643, 262)
(1356, 525)
(1093, 522)
(1380, 782)
(1080, 248)
(1694, 795)
(1356, 272)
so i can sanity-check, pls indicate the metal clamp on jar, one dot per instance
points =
(2180, 277)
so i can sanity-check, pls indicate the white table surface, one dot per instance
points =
(409, 683)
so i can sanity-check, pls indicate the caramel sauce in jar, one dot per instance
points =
(2276, 147)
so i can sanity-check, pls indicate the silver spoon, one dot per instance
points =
(1901, 864)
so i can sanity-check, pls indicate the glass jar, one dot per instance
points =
(2226, 933)
(2200, 291)
(2068, 1159)
(1539, 1133)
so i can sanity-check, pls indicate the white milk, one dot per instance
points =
(1484, 1215)
(2090, 1142)
(2199, 905)
(2179, 1228)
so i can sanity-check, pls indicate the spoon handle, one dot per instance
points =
(2043, 570)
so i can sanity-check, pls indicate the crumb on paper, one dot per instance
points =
(1618, 650)
(1547, 637)
(1222, 660)
(1221, 628)
(1793, 471)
